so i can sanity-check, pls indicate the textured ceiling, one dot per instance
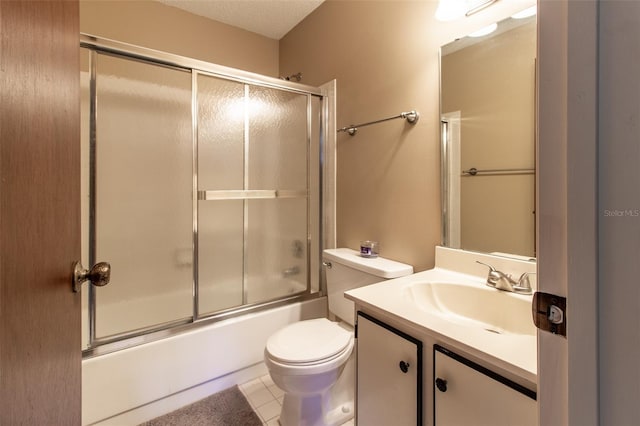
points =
(270, 18)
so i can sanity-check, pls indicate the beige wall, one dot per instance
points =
(157, 26)
(384, 55)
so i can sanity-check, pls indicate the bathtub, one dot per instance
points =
(133, 385)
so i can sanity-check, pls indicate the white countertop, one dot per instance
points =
(514, 353)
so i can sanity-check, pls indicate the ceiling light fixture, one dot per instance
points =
(450, 10)
(479, 7)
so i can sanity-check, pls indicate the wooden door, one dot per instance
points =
(40, 357)
(567, 210)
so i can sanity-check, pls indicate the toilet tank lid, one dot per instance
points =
(378, 266)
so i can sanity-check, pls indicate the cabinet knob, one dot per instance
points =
(441, 384)
(404, 366)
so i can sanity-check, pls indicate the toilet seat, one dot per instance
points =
(309, 343)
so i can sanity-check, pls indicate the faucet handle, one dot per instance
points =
(494, 274)
(491, 268)
(524, 284)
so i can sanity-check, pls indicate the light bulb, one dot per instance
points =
(530, 11)
(484, 31)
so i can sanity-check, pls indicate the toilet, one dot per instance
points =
(311, 361)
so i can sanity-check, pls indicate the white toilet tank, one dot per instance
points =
(350, 270)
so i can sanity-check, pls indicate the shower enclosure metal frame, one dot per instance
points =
(97, 45)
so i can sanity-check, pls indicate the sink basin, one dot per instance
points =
(474, 305)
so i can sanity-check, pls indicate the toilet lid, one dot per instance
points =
(308, 341)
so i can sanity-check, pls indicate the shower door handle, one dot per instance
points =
(99, 275)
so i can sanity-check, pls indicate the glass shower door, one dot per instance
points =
(277, 241)
(141, 193)
(221, 155)
(253, 150)
(201, 188)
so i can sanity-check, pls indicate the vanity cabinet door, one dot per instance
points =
(389, 375)
(466, 393)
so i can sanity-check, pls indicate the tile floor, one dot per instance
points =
(266, 399)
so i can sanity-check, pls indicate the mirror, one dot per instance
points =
(487, 104)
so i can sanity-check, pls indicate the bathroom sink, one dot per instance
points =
(474, 305)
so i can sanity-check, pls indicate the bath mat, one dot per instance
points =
(226, 408)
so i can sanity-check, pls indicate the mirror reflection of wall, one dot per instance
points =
(488, 100)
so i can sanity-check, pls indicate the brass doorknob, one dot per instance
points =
(99, 275)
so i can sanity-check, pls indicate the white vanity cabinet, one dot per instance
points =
(389, 375)
(466, 393)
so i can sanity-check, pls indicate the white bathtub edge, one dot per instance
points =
(189, 396)
(129, 380)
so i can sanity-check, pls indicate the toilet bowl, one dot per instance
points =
(308, 370)
(312, 361)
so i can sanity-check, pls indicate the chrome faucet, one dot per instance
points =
(501, 281)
